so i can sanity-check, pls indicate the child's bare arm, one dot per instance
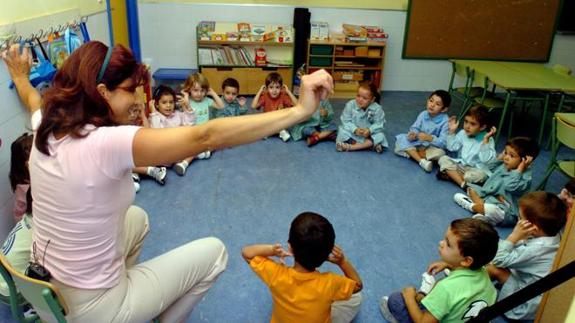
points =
(218, 102)
(337, 257)
(417, 315)
(290, 94)
(264, 250)
(256, 99)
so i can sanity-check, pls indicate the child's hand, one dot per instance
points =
(280, 252)
(336, 256)
(212, 93)
(489, 134)
(411, 136)
(500, 156)
(409, 292)
(453, 124)
(263, 88)
(323, 112)
(242, 101)
(285, 88)
(424, 137)
(152, 105)
(184, 101)
(435, 267)
(522, 230)
(524, 164)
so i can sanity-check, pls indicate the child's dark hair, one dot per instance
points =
(372, 88)
(524, 146)
(162, 90)
(20, 153)
(274, 77)
(29, 201)
(312, 238)
(480, 114)
(444, 96)
(196, 78)
(476, 239)
(231, 82)
(570, 186)
(545, 210)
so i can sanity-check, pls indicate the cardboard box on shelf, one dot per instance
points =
(374, 52)
(346, 86)
(361, 51)
(348, 75)
(319, 30)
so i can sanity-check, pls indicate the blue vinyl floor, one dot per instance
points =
(387, 212)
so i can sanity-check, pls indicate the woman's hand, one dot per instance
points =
(314, 88)
(18, 64)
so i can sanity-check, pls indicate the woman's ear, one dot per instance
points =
(103, 90)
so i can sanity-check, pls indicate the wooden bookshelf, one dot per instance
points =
(241, 66)
(348, 62)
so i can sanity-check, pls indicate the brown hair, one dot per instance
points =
(476, 239)
(545, 210)
(480, 114)
(372, 89)
(196, 78)
(274, 77)
(73, 100)
(19, 155)
(524, 146)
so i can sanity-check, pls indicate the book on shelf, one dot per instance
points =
(244, 31)
(226, 55)
(205, 29)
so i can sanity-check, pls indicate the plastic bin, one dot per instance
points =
(321, 50)
(172, 77)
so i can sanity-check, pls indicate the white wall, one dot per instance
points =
(14, 122)
(168, 38)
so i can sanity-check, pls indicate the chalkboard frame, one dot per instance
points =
(543, 55)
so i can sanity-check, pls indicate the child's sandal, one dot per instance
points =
(312, 140)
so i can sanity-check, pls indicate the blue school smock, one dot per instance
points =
(354, 117)
(435, 126)
(471, 151)
(315, 120)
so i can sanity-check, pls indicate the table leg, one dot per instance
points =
(503, 113)
(542, 126)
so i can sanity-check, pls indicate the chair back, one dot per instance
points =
(14, 300)
(565, 133)
(44, 297)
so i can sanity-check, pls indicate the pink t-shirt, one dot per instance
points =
(81, 193)
(177, 119)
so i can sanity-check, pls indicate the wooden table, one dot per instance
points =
(518, 76)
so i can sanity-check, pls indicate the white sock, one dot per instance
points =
(151, 171)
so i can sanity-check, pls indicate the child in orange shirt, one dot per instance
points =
(301, 293)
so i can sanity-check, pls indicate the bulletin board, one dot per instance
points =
(520, 30)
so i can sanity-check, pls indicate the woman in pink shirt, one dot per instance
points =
(80, 166)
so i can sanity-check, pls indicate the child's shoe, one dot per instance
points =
(312, 140)
(378, 148)
(181, 167)
(426, 165)
(464, 201)
(158, 174)
(427, 283)
(385, 310)
(400, 153)
(205, 155)
(284, 135)
(136, 179)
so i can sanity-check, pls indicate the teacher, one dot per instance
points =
(84, 149)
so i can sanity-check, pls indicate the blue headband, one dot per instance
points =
(104, 65)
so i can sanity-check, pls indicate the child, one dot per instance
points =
(362, 122)
(496, 200)
(568, 194)
(233, 106)
(19, 174)
(425, 140)
(528, 252)
(163, 114)
(275, 96)
(301, 293)
(474, 146)
(16, 247)
(468, 245)
(319, 127)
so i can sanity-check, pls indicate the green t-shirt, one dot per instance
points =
(202, 110)
(460, 296)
